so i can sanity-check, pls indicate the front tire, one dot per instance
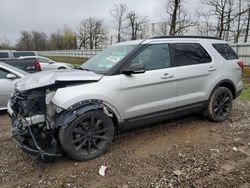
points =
(61, 68)
(220, 104)
(88, 136)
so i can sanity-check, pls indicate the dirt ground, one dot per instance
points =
(190, 152)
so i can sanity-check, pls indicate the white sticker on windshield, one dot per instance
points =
(113, 59)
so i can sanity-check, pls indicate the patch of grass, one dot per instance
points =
(246, 72)
(76, 61)
(245, 95)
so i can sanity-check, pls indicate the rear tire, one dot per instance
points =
(219, 105)
(88, 136)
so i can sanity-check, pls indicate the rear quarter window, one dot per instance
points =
(189, 54)
(226, 51)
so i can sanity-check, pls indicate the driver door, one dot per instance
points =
(153, 92)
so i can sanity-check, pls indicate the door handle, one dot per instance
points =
(166, 76)
(211, 69)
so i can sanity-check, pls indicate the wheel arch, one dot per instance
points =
(228, 84)
(61, 67)
(76, 110)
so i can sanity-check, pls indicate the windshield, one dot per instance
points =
(106, 59)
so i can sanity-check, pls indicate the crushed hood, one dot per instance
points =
(46, 78)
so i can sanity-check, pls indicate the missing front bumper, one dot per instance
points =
(29, 143)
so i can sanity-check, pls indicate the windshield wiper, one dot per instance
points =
(80, 68)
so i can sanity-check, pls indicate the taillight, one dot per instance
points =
(37, 66)
(241, 64)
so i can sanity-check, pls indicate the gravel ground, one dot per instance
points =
(190, 152)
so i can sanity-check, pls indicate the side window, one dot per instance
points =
(43, 60)
(226, 51)
(156, 56)
(4, 55)
(189, 54)
(3, 73)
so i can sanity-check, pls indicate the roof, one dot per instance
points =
(136, 42)
(187, 36)
(130, 42)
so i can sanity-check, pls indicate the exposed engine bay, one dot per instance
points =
(34, 121)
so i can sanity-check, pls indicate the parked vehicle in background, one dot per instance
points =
(9, 75)
(48, 64)
(17, 54)
(31, 65)
(11, 54)
(127, 85)
(6, 54)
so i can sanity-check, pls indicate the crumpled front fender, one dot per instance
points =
(76, 110)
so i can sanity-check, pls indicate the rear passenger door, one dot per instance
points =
(195, 73)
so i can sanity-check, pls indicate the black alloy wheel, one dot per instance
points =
(88, 136)
(220, 104)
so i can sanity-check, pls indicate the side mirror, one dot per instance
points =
(11, 76)
(51, 62)
(137, 68)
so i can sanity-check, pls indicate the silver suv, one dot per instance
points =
(126, 85)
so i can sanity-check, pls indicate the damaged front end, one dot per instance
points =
(33, 123)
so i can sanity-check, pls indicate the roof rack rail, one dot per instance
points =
(186, 36)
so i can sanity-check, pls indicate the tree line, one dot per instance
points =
(226, 19)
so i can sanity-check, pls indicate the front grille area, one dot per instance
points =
(16, 100)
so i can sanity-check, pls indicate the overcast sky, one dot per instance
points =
(50, 15)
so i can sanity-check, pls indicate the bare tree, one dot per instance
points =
(135, 25)
(69, 39)
(119, 15)
(5, 43)
(248, 24)
(226, 13)
(177, 17)
(238, 31)
(163, 29)
(39, 40)
(24, 42)
(220, 9)
(56, 41)
(204, 25)
(92, 33)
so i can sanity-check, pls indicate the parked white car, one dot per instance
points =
(9, 75)
(48, 64)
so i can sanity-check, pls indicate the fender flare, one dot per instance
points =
(76, 110)
(224, 81)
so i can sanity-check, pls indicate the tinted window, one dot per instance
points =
(156, 56)
(20, 54)
(4, 55)
(226, 51)
(189, 54)
(3, 73)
